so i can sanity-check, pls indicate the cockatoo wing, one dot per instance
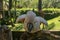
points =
(41, 20)
(21, 18)
(37, 22)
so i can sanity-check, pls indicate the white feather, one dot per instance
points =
(37, 22)
(19, 18)
(41, 20)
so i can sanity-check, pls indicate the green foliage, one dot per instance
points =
(34, 3)
(49, 12)
(50, 26)
(17, 27)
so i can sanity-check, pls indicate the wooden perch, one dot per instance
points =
(51, 34)
(41, 35)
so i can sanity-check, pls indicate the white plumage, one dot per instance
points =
(31, 17)
(21, 18)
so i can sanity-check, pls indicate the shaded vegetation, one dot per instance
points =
(50, 26)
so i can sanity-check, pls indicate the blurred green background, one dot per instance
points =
(51, 9)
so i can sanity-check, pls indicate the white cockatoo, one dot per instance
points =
(31, 21)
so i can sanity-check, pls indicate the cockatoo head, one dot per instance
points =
(30, 16)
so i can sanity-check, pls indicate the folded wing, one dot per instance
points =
(21, 18)
(41, 20)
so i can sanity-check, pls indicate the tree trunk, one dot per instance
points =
(40, 8)
(5, 33)
(39, 5)
(1, 5)
(1, 8)
(10, 4)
